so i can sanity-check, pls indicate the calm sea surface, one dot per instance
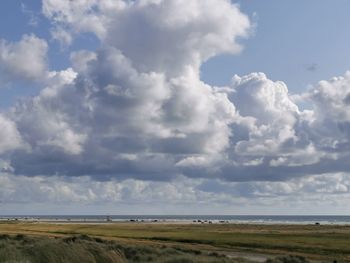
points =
(256, 219)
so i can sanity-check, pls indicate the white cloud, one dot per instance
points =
(176, 34)
(156, 35)
(62, 36)
(331, 123)
(148, 101)
(76, 16)
(196, 195)
(26, 59)
(41, 120)
(81, 59)
(10, 138)
(267, 109)
(127, 119)
(117, 107)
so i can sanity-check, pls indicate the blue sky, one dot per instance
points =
(134, 106)
(290, 37)
(25, 17)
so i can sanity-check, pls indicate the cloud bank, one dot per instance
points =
(136, 110)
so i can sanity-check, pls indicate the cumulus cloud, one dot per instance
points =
(10, 138)
(332, 116)
(134, 114)
(75, 16)
(166, 36)
(126, 114)
(267, 111)
(24, 60)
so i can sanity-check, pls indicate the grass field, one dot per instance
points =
(317, 243)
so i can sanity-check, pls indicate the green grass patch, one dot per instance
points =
(325, 243)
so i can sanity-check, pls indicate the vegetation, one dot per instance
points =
(84, 249)
(137, 242)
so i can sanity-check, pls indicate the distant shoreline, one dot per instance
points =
(253, 220)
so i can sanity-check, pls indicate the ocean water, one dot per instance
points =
(246, 219)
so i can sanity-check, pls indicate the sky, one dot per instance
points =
(174, 107)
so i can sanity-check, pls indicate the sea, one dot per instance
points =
(233, 219)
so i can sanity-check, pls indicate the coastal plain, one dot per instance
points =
(319, 243)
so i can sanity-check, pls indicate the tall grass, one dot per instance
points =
(321, 243)
(45, 250)
(85, 249)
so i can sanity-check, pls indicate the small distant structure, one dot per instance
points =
(108, 219)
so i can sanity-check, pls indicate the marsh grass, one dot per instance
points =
(85, 249)
(187, 242)
(21, 248)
